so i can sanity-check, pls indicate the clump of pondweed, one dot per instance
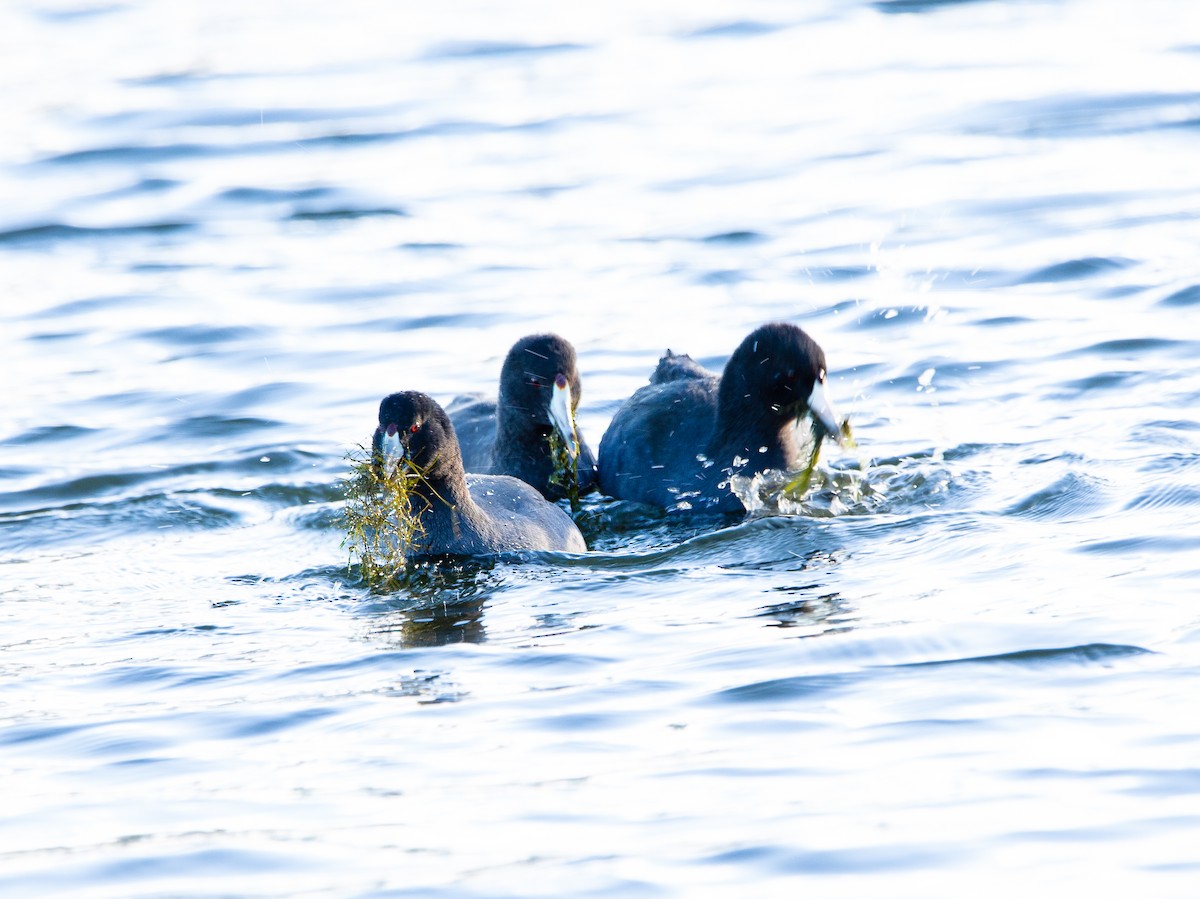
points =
(809, 491)
(379, 517)
(563, 474)
(795, 489)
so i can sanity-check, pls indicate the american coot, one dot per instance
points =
(463, 514)
(675, 442)
(539, 390)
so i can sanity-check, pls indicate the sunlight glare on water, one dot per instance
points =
(966, 657)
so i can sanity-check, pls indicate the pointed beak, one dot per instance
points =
(562, 414)
(388, 449)
(825, 416)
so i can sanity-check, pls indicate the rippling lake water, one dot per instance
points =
(967, 663)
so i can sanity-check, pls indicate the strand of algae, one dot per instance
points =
(563, 474)
(795, 489)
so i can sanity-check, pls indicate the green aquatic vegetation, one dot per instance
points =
(563, 474)
(795, 489)
(379, 518)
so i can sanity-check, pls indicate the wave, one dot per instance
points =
(57, 231)
(1070, 498)
(1075, 270)
(1188, 296)
(487, 49)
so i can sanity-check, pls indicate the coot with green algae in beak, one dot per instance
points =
(462, 514)
(675, 442)
(539, 392)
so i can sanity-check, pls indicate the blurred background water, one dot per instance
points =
(228, 229)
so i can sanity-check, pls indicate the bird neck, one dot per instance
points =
(440, 483)
(764, 441)
(519, 422)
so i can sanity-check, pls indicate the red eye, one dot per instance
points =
(415, 428)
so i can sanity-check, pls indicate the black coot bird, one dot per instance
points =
(675, 442)
(539, 391)
(463, 514)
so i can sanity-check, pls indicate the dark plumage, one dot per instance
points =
(675, 442)
(511, 435)
(677, 367)
(464, 514)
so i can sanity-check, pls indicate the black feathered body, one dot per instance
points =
(464, 514)
(511, 435)
(676, 441)
(521, 451)
(488, 515)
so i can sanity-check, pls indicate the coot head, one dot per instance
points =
(776, 375)
(415, 428)
(540, 383)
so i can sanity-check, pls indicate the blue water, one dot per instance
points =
(967, 663)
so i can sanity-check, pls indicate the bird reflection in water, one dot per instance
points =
(437, 603)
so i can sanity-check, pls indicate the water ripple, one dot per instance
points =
(56, 231)
(919, 6)
(790, 688)
(1035, 659)
(1069, 498)
(1166, 495)
(788, 860)
(1086, 115)
(1075, 270)
(215, 247)
(742, 28)
(1188, 296)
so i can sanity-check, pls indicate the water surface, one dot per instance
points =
(970, 656)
